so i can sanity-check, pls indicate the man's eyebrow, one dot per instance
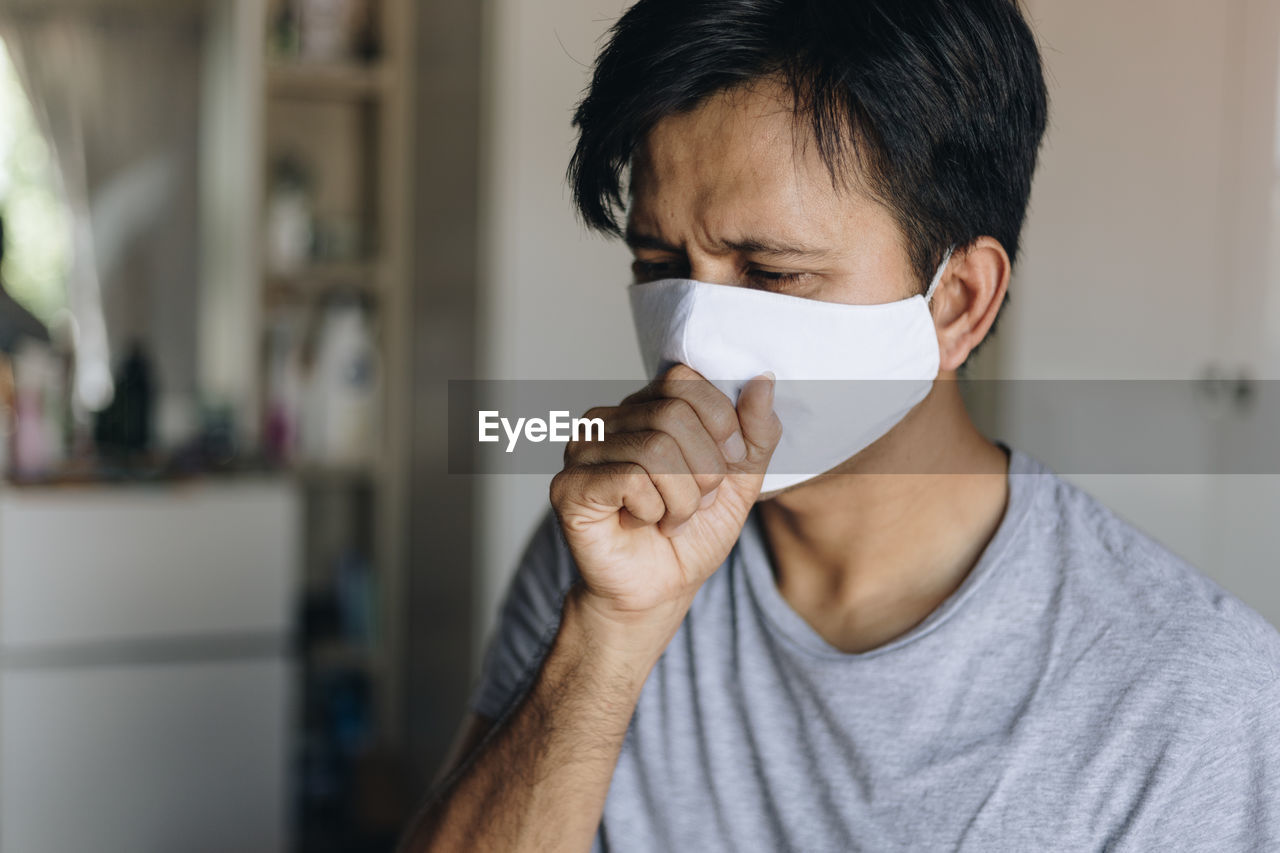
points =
(775, 249)
(746, 246)
(640, 240)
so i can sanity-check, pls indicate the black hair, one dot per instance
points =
(940, 104)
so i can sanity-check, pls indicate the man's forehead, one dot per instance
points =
(735, 170)
(763, 108)
(750, 128)
(742, 148)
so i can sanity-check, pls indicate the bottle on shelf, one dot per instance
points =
(343, 388)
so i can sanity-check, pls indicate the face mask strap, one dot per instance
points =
(937, 277)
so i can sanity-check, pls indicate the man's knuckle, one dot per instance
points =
(658, 445)
(671, 411)
(572, 453)
(560, 486)
(632, 473)
(679, 371)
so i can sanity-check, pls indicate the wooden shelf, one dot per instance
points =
(342, 654)
(323, 279)
(328, 81)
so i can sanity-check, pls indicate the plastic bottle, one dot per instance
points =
(343, 388)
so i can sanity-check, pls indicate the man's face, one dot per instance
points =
(730, 194)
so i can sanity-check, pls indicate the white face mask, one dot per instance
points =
(731, 334)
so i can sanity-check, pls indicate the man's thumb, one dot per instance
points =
(760, 425)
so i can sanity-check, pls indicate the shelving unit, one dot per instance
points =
(322, 282)
(330, 81)
(349, 122)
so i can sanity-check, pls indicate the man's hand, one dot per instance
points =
(650, 512)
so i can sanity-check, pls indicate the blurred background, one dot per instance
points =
(248, 242)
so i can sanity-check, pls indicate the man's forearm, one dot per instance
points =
(539, 781)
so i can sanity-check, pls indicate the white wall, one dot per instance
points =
(553, 302)
(1151, 251)
(1147, 243)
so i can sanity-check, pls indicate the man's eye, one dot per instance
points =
(770, 278)
(656, 270)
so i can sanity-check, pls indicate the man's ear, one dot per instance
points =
(968, 298)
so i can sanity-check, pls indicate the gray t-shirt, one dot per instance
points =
(1083, 689)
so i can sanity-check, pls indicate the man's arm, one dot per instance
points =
(647, 516)
(538, 780)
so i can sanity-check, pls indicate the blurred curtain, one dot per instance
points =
(114, 94)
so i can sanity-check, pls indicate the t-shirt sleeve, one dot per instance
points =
(527, 621)
(1223, 795)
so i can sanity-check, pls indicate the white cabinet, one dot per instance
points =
(144, 672)
(183, 757)
(132, 564)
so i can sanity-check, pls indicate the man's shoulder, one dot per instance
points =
(1157, 624)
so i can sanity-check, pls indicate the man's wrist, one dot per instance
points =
(618, 648)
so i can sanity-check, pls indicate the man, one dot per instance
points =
(933, 644)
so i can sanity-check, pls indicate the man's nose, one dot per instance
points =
(716, 269)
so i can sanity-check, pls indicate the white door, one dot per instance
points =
(1148, 255)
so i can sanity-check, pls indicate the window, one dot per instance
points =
(37, 237)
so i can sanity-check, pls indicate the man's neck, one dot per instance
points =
(867, 553)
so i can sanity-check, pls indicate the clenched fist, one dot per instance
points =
(650, 512)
